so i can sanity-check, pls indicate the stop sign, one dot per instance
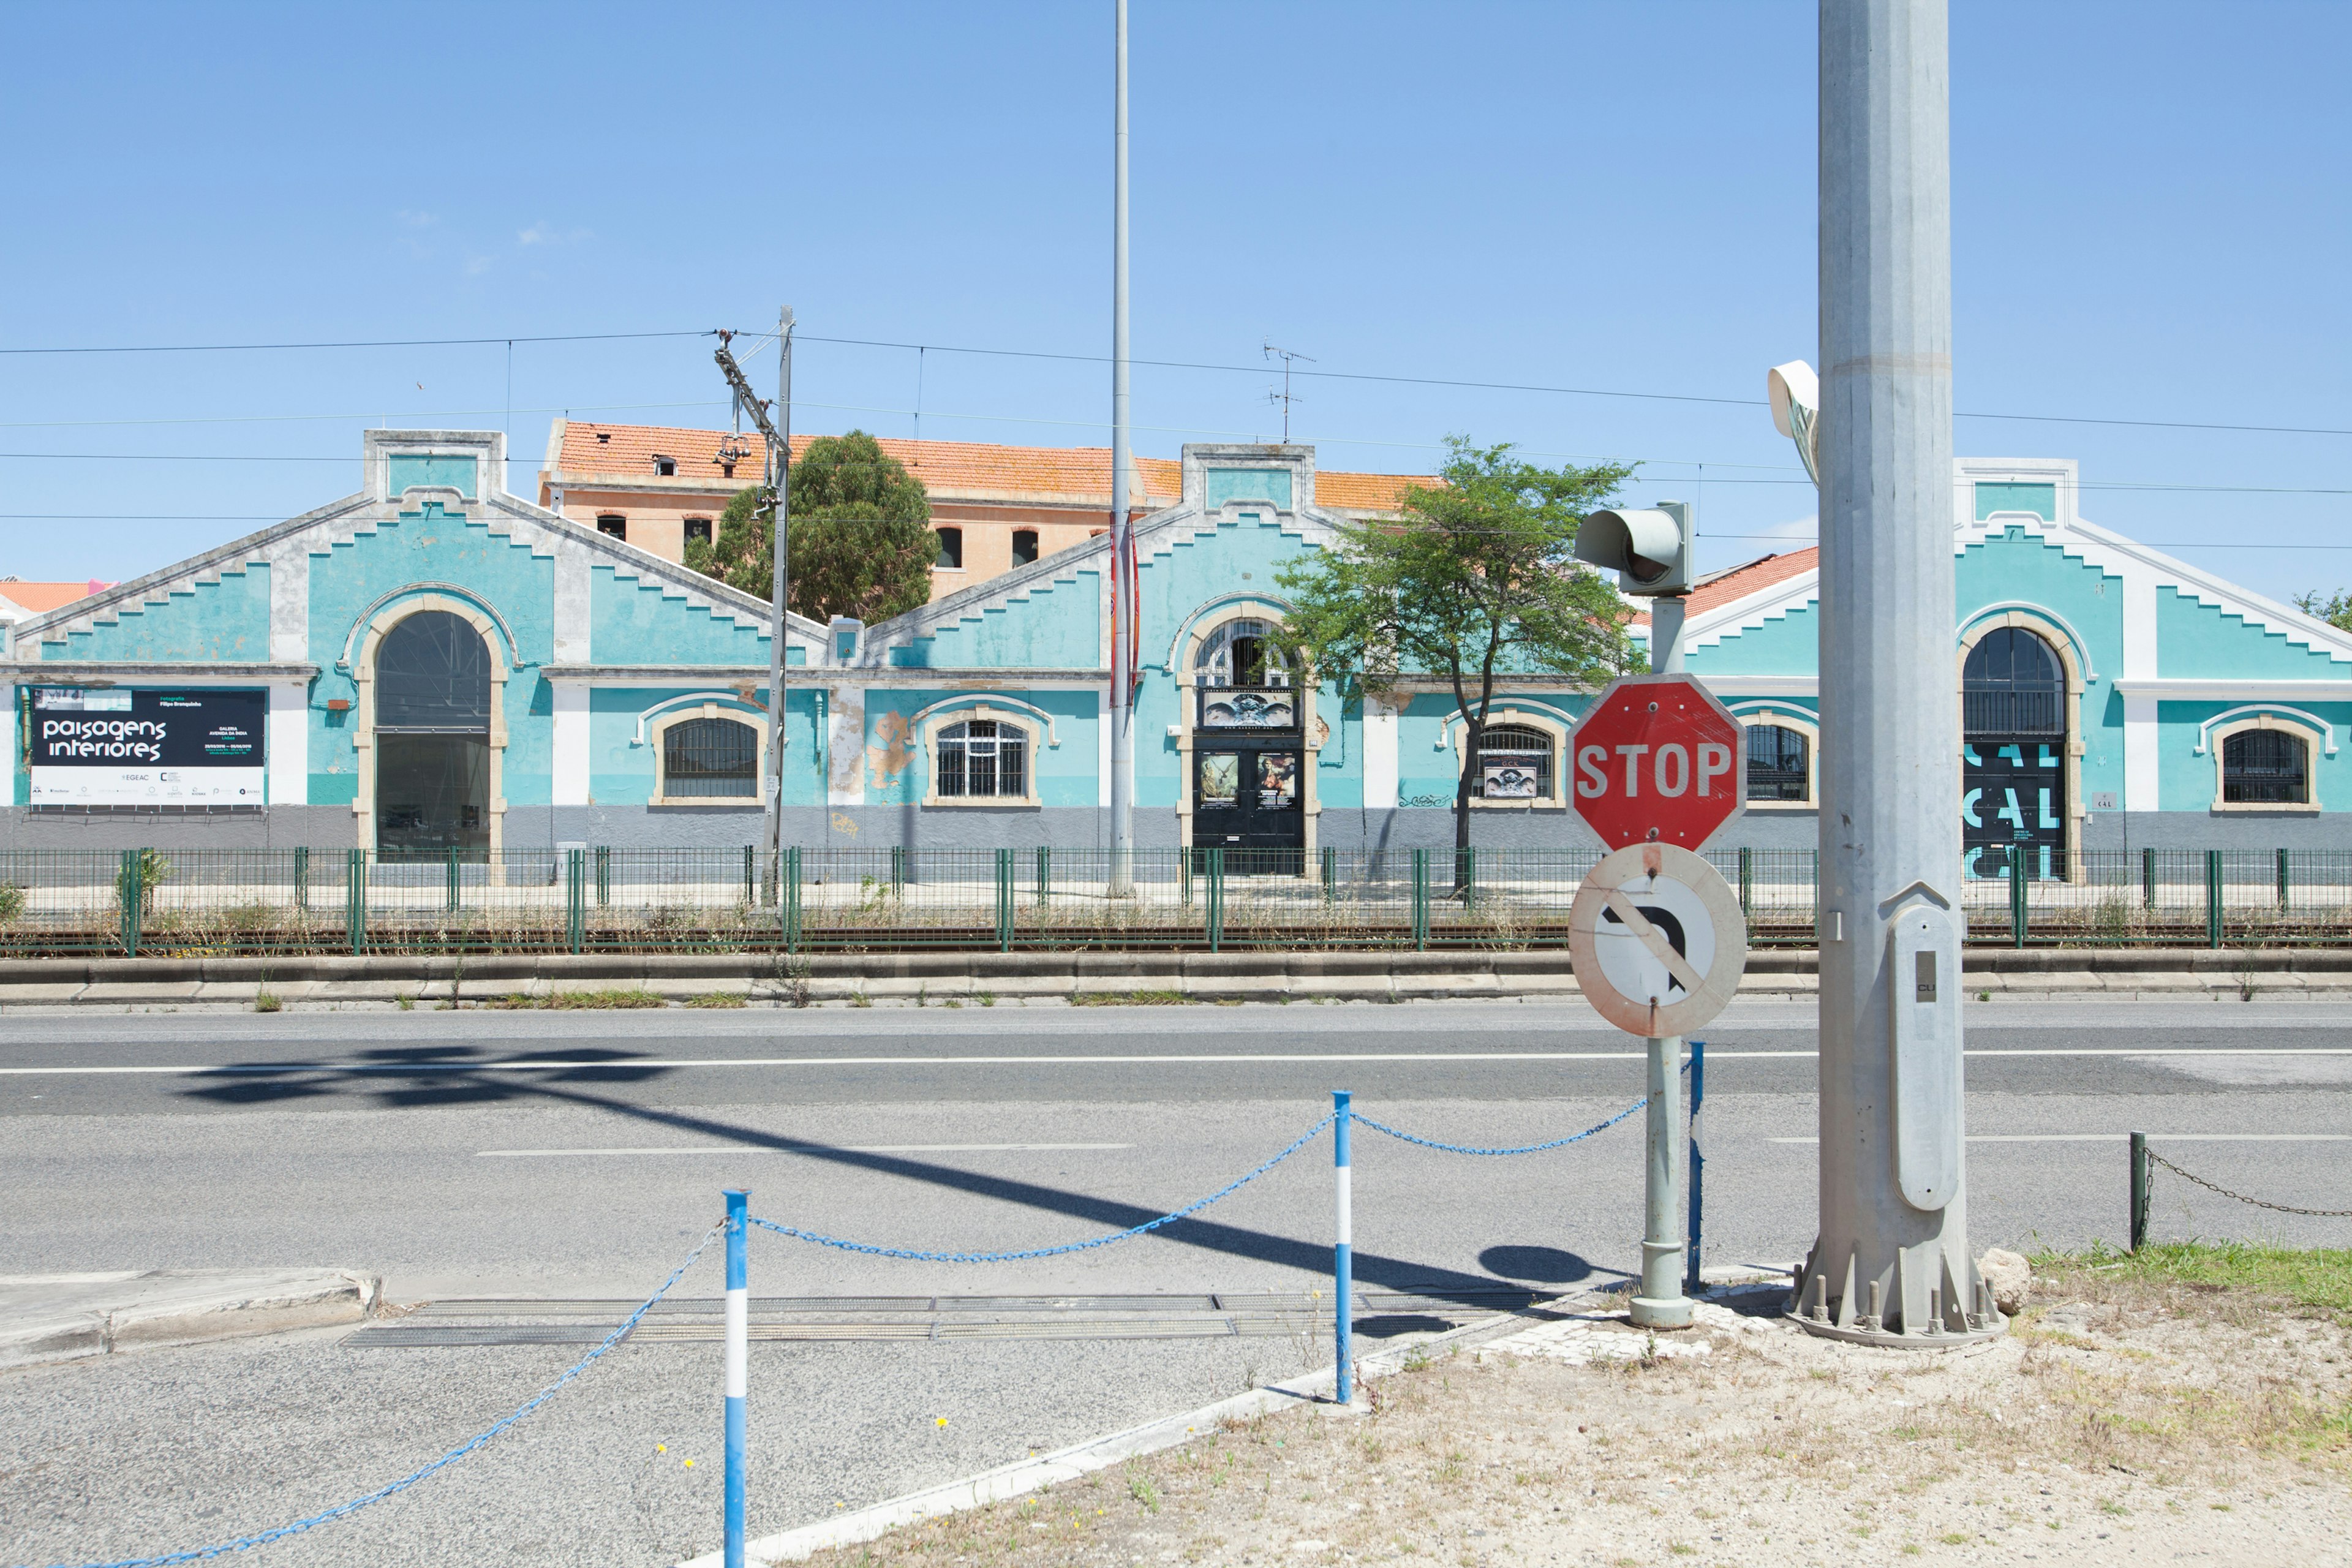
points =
(1657, 760)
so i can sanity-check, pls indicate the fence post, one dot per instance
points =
(1343, 1251)
(355, 879)
(897, 870)
(2017, 895)
(750, 876)
(302, 877)
(2212, 898)
(452, 877)
(128, 897)
(1330, 873)
(1467, 875)
(1747, 883)
(790, 899)
(1045, 869)
(1420, 900)
(1217, 898)
(604, 874)
(2283, 881)
(1817, 898)
(2139, 1191)
(1695, 1264)
(2148, 878)
(739, 1367)
(575, 898)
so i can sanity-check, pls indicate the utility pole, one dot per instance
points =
(1892, 1263)
(779, 487)
(1125, 635)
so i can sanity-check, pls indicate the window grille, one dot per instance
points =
(982, 759)
(1515, 763)
(1778, 763)
(2012, 685)
(2263, 767)
(710, 759)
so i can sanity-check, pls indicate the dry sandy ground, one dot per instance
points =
(2120, 1422)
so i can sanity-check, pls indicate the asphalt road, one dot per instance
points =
(579, 1155)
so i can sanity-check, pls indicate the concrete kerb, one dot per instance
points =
(48, 1318)
(1031, 978)
(1037, 1473)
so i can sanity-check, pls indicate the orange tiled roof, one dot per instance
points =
(948, 468)
(1741, 581)
(40, 598)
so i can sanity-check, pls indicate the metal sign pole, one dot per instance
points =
(1660, 1303)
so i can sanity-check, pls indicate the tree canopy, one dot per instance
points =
(861, 534)
(2336, 609)
(1477, 578)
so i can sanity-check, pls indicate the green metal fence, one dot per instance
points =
(197, 902)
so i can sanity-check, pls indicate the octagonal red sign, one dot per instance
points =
(1657, 759)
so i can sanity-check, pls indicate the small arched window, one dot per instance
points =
(2266, 767)
(981, 758)
(1779, 763)
(710, 759)
(1515, 763)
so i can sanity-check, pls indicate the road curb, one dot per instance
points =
(46, 1318)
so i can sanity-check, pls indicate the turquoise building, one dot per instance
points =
(432, 663)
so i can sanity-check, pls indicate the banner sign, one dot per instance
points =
(118, 747)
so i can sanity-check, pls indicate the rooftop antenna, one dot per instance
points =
(1285, 397)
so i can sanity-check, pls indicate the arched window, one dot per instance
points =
(2012, 686)
(1515, 763)
(1779, 763)
(1242, 653)
(710, 759)
(2266, 767)
(981, 758)
(432, 723)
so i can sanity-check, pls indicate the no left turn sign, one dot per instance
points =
(1657, 940)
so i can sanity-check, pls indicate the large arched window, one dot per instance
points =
(710, 759)
(2014, 790)
(1242, 653)
(432, 722)
(2012, 685)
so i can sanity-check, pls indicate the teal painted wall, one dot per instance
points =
(1247, 484)
(899, 767)
(2199, 642)
(1052, 626)
(623, 772)
(2041, 500)
(227, 620)
(428, 546)
(633, 620)
(426, 468)
(1785, 645)
(2186, 781)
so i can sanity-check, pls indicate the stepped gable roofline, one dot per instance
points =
(1722, 589)
(359, 511)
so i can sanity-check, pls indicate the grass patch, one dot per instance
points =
(569, 1001)
(268, 1002)
(2316, 1278)
(1127, 999)
(719, 999)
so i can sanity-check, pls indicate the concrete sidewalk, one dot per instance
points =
(1056, 978)
(48, 1318)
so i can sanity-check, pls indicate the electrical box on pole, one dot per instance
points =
(1649, 548)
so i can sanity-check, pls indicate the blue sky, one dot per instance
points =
(2150, 223)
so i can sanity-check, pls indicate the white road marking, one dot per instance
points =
(639, 1064)
(809, 1148)
(2121, 1137)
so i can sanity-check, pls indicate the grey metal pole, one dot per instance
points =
(1122, 532)
(1660, 1303)
(1892, 1259)
(2139, 1191)
(778, 588)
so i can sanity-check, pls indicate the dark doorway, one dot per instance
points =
(433, 736)
(2013, 783)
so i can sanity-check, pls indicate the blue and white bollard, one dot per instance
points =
(1343, 1251)
(739, 1337)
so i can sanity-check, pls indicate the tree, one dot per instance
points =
(2336, 609)
(1476, 579)
(861, 529)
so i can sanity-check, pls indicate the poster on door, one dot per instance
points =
(1277, 780)
(2012, 802)
(108, 746)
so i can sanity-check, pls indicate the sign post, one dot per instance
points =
(1656, 936)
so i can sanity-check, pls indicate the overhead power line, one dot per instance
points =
(355, 343)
